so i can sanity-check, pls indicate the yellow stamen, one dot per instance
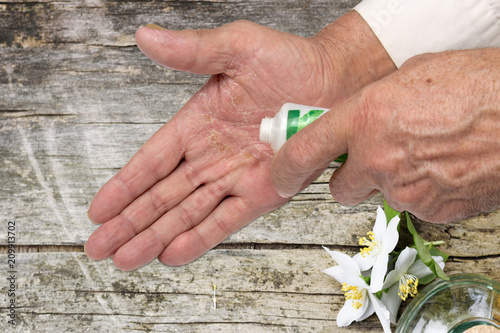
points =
(352, 292)
(370, 244)
(408, 286)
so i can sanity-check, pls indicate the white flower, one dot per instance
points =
(360, 302)
(375, 255)
(403, 280)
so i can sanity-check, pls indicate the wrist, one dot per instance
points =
(353, 53)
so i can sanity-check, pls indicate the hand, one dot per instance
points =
(426, 136)
(205, 174)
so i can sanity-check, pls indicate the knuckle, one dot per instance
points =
(302, 155)
(295, 156)
(194, 209)
(213, 192)
(345, 193)
(187, 216)
(223, 225)
(232, 221)
(401, 199)
(192, 176)
(158, 201)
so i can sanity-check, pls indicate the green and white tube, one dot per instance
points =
(290, 119)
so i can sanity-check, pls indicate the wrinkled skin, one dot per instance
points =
(205, 174)
(426, 136)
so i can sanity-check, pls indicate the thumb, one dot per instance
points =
(208, 51)
(309, 150)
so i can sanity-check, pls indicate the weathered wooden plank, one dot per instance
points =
(77, 99)
(262, 290)
(69, 68)
(91, 83)
(30, 24)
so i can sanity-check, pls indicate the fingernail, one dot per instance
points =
(154, 26)
(88, 215)
(285, 195)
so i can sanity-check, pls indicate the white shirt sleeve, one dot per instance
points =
(410, 27)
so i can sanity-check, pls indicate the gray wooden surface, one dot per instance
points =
(77, 99)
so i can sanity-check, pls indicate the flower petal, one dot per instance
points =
(391, 278)
(369, 310)
(439, 260)
(378, 273)
(391, 235)
(336, 272)
(348, 313)
(352, 274)
(382, 313)
(406, 259)
(420, 270)
(380, 224)
(365, 262)
(392, 301)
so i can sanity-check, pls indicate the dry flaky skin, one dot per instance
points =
(426, 136)
(205, 174)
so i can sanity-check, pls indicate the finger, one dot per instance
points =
(153, 161)
(310, 149)
(349, 187)
(230, 216)
(208, 51)
(151, 205)
(187, 215)
(143, 211)
(104, 241)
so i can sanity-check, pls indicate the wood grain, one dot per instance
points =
(257, 291)
(77, 99)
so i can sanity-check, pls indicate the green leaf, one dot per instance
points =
(438, 271)
(423, 251)
(341, 158)
(435, 253)
(366, 278)
(390, 213)
(426, 279)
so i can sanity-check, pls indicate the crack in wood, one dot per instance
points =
(227, 246)
(18, 114)
(223, 292)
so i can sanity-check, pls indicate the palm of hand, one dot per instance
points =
(205, 174)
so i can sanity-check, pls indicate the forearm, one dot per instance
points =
(355, 51)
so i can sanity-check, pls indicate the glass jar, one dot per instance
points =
(453, 306)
